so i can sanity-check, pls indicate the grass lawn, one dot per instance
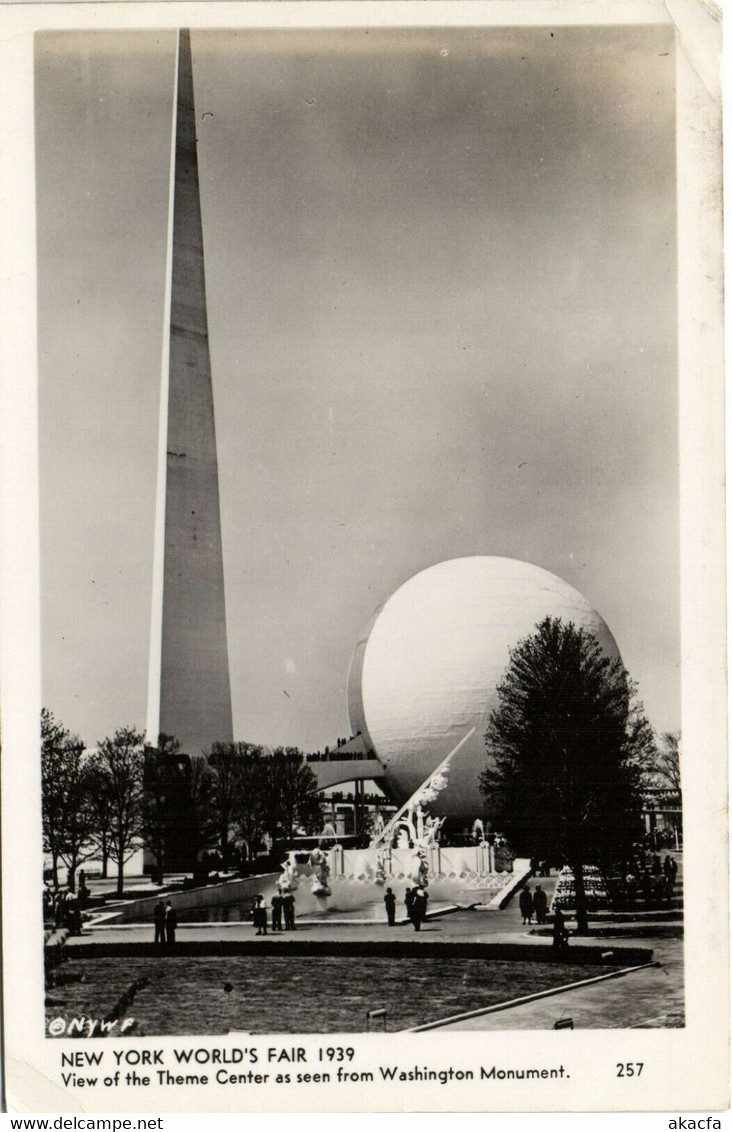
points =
(304, 995)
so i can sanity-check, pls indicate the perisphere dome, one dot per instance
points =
(427, 667)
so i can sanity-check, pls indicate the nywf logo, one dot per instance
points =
(88, 1027)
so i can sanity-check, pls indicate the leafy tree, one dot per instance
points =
(120, 765)
(565, 746)
(68, 819)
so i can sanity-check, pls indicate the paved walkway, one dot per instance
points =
(653, 996)
(467, 926)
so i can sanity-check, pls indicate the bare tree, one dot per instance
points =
(200, 792)
(225, 762)
(68, 819)
(101, 807)
(665, 764)
(162, 790)
(120, 759)
(253, 794)
(296, 792)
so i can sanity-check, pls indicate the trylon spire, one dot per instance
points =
(189, 692)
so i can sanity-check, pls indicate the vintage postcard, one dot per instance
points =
(363, 650)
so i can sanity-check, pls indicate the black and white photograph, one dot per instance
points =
(360, 546)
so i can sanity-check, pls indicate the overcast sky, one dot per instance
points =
(441, 293)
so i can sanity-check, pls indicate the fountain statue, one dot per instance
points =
(289, 880)
(378, 825)
(420, 872)
(310, 863)
(319, 863)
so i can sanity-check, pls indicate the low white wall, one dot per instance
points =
(229, 892)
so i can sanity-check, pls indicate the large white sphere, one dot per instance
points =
(427, 667)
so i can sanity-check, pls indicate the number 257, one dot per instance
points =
(629, 1069)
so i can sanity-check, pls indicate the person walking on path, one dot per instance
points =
(560, 935)
(171, 923)
(277, 912)
(259, 915)
(409, 901)
(73, 915)
(60, 908)
(159, 920)
(390, 905)
(540, 904)
(526, 904)
(419, 908)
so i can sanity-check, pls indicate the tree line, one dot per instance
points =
(570, 753)
(110, 802)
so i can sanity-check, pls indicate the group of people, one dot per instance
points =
(654, 880)
(415, 901)
(63, 909)
(283, 906)
(533, 904)
(536, 904)
(166, 921)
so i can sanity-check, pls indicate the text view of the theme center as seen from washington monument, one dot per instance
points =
(365, 329)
